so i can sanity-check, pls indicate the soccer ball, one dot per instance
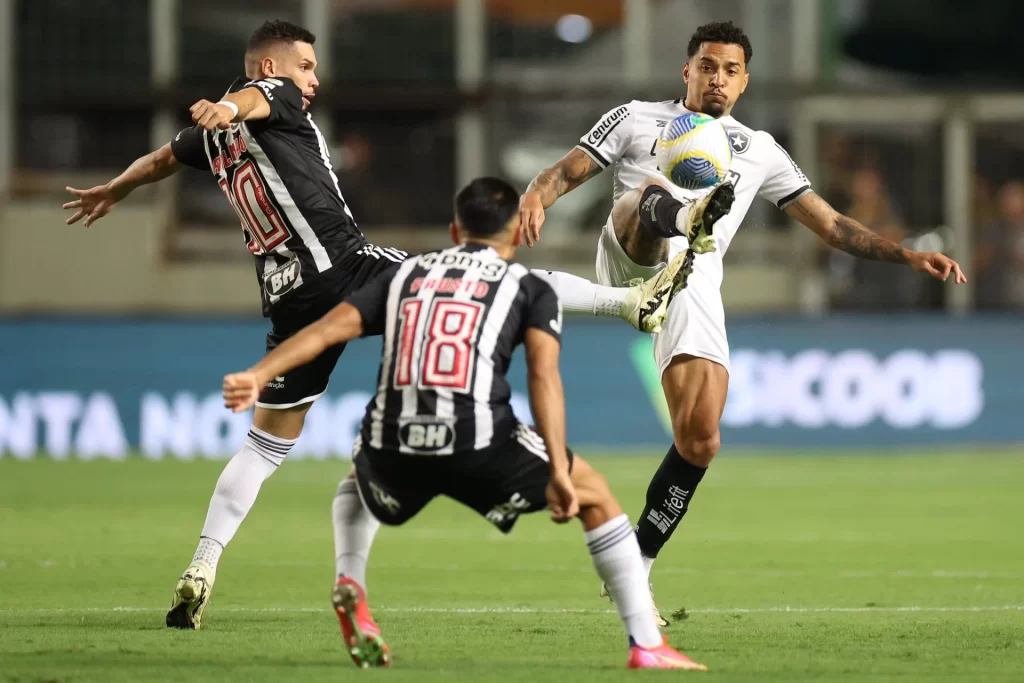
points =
(693, 151)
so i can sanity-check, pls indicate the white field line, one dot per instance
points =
(586, 569)
(781, 609)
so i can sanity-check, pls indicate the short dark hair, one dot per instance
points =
(720, 32)
(277, 31)
(485, 206)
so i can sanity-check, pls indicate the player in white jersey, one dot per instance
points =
(646, 229)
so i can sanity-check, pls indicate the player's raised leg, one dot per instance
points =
(271, 437)
(643, 304)
(644, 301)
(616, 557)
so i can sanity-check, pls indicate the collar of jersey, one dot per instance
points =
(473, 247)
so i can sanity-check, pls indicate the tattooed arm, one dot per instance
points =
(846, 234)
(571, 171)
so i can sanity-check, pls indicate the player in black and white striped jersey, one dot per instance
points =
(271, 160)
(477, 305)
(441, 422)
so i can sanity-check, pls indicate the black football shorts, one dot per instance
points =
(500, 483)
(308, 382)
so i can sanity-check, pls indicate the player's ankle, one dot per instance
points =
(659, 213)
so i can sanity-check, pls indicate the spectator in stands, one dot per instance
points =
(983, 203)
(999, 253)
(871, 285)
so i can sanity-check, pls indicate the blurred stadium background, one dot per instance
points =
(908, 116)
(818, 556)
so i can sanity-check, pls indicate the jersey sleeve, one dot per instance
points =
(371, 301)
(543, 309)
(284, 98)
(189, 148)
(608, 139)
(784, 182)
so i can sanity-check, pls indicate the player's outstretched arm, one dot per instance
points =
(97, 202)
(846, 234)
(248, 104)
(547, 402)
(571, 171)
(344, 323)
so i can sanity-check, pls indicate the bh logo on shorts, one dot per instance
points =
(427, 434)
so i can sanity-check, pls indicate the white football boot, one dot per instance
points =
(190, 596)
(704, 212)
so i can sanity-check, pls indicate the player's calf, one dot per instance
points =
(598, 508)
(354, 531)
(644, 247)
(616, 555)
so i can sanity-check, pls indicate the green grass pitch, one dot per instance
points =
(824, 567)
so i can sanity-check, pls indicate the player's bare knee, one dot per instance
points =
(285, 423)
(592, 492)
(644, 247)
(698, 443)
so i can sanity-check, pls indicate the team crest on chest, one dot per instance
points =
(739, 140)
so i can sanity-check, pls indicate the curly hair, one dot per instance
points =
(720, 32)
(277, 31)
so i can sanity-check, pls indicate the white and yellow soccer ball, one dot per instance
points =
(693, 151)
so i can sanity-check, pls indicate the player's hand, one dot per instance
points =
(561, 495)
(210, 115)
(531, 217)
(939, 266)
(93, 204)
(241, 391)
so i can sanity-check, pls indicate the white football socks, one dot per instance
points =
(683, 222)
(209, 552)
(616, 556)
(237, 489)
(354, 529)
(579, 295)
(648, 564)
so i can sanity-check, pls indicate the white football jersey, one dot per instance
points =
(625, 139)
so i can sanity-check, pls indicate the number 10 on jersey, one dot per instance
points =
(261, 220)
(442, 354)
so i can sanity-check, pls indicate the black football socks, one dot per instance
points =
(668, 498)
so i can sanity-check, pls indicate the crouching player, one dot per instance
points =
(441, 422)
